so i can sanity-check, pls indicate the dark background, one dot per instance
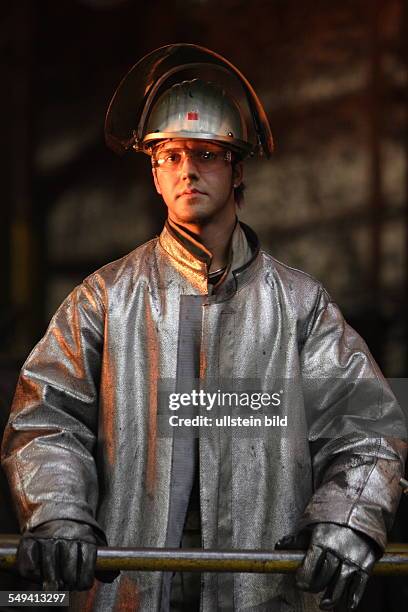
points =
(333, 78)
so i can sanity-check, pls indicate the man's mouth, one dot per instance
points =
(191, 192)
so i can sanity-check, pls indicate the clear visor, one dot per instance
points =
(132, 102)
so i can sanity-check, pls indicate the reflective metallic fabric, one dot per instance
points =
(83, 441)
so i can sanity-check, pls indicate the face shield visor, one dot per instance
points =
(135, 106)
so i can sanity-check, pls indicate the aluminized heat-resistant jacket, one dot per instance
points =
(83, 443)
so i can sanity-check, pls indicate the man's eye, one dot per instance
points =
(172, 158)
(207, 155)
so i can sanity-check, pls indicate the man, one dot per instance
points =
(86, 452)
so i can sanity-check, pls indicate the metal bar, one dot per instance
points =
(394, 562)
(403, 483)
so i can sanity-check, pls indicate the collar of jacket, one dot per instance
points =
(192, 259)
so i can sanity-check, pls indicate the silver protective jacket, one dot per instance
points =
(83, 440)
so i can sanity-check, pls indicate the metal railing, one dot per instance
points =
(393, 563)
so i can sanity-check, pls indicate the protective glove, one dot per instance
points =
(62, 555)
(338, 560)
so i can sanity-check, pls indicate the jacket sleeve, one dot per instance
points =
(356, 428)
(47, 450)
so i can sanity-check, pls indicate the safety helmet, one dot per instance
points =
(199, 110)
(152, 102)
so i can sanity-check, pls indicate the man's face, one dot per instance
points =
(192, 192)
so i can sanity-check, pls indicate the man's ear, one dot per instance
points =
(156, 181)
(237, 173)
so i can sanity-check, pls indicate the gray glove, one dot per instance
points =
(338, 560)
(61, 554)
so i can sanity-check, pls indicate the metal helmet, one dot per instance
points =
(139, 101)
(199, 110)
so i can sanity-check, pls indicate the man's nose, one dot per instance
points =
(188, 168)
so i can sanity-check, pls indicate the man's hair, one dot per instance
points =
(239, 195)
(238, 191)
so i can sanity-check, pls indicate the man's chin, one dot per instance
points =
(196, 214)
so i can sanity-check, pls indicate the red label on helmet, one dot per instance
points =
(193, 116)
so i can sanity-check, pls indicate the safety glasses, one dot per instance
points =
(205, 160)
